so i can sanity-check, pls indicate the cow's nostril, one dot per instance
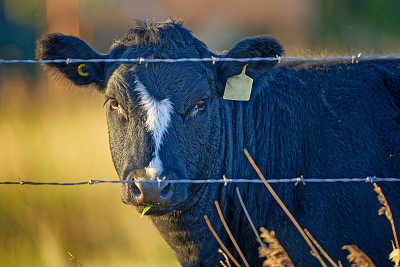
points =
(152, 193)
(136, 190)
(166, 192)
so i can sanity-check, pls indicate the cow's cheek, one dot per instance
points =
(117, 140)
(196, 146)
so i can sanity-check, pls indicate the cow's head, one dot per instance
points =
(164, 119)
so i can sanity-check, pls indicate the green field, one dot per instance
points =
(56, 133)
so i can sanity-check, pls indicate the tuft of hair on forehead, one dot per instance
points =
(153, 33)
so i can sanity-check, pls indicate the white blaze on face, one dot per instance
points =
(158, 118)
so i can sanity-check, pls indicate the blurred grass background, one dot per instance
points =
(62, 136)
(57, 132)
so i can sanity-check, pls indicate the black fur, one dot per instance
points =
(58, 46)
(323, 120)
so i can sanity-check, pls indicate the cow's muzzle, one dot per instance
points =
(162, 193)
(152, 193)
(147, 193)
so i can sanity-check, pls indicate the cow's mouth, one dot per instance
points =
(192, 197)
(146, 210)
(159, 197)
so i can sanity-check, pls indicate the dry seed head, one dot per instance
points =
(226, 259)
(275, 255)
(357, 258)
(381, 197)
(395, 256)
(386, 210)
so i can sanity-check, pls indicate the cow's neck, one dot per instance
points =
(266, 126)
(186, 230)
(240, 131)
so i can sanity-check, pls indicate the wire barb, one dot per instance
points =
(299, 180)
(314, 252)
(226, 180)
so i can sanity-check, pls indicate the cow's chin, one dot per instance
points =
(154, 210)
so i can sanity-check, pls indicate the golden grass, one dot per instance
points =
(320, 248)
(220, 241)
(357, 258)
(385, 209)
(75, 260)
(276, 197)
(225, 263)
(58, 134)
(395, 256)
(230, 235)
(275, 254)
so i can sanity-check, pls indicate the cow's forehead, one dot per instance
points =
(170, 33)
(180, 82)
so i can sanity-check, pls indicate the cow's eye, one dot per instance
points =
(201, 105)
(196, 110)
(114, 104)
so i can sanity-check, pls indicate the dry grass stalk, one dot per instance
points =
(275, 254)
(296, 224)
(320, 249)
(74, 260)
(220, 242)
(249, 218)
(386, 210)
(357, 258)
(395, 256)
(230, 234)
(228, 264)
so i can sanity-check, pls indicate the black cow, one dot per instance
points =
(322, 120)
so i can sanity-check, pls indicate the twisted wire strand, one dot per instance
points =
(216, 181)
(211, 59)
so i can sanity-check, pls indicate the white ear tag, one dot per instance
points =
(238, 87)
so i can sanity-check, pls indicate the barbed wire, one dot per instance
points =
(211, 59)
(353, 59)
(212, 181)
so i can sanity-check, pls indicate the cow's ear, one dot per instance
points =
(259, 46)
(58, 46)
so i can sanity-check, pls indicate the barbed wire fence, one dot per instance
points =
(212, 181)
(352, 59)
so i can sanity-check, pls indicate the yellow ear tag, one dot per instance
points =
(238, 87)
(80, 72)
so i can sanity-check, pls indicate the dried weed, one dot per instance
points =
(357, 258)
(275, 254)
(395, 256)
(386, 210)
(228, 264)
(75, 260)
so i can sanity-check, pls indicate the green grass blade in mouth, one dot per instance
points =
(145, 210)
